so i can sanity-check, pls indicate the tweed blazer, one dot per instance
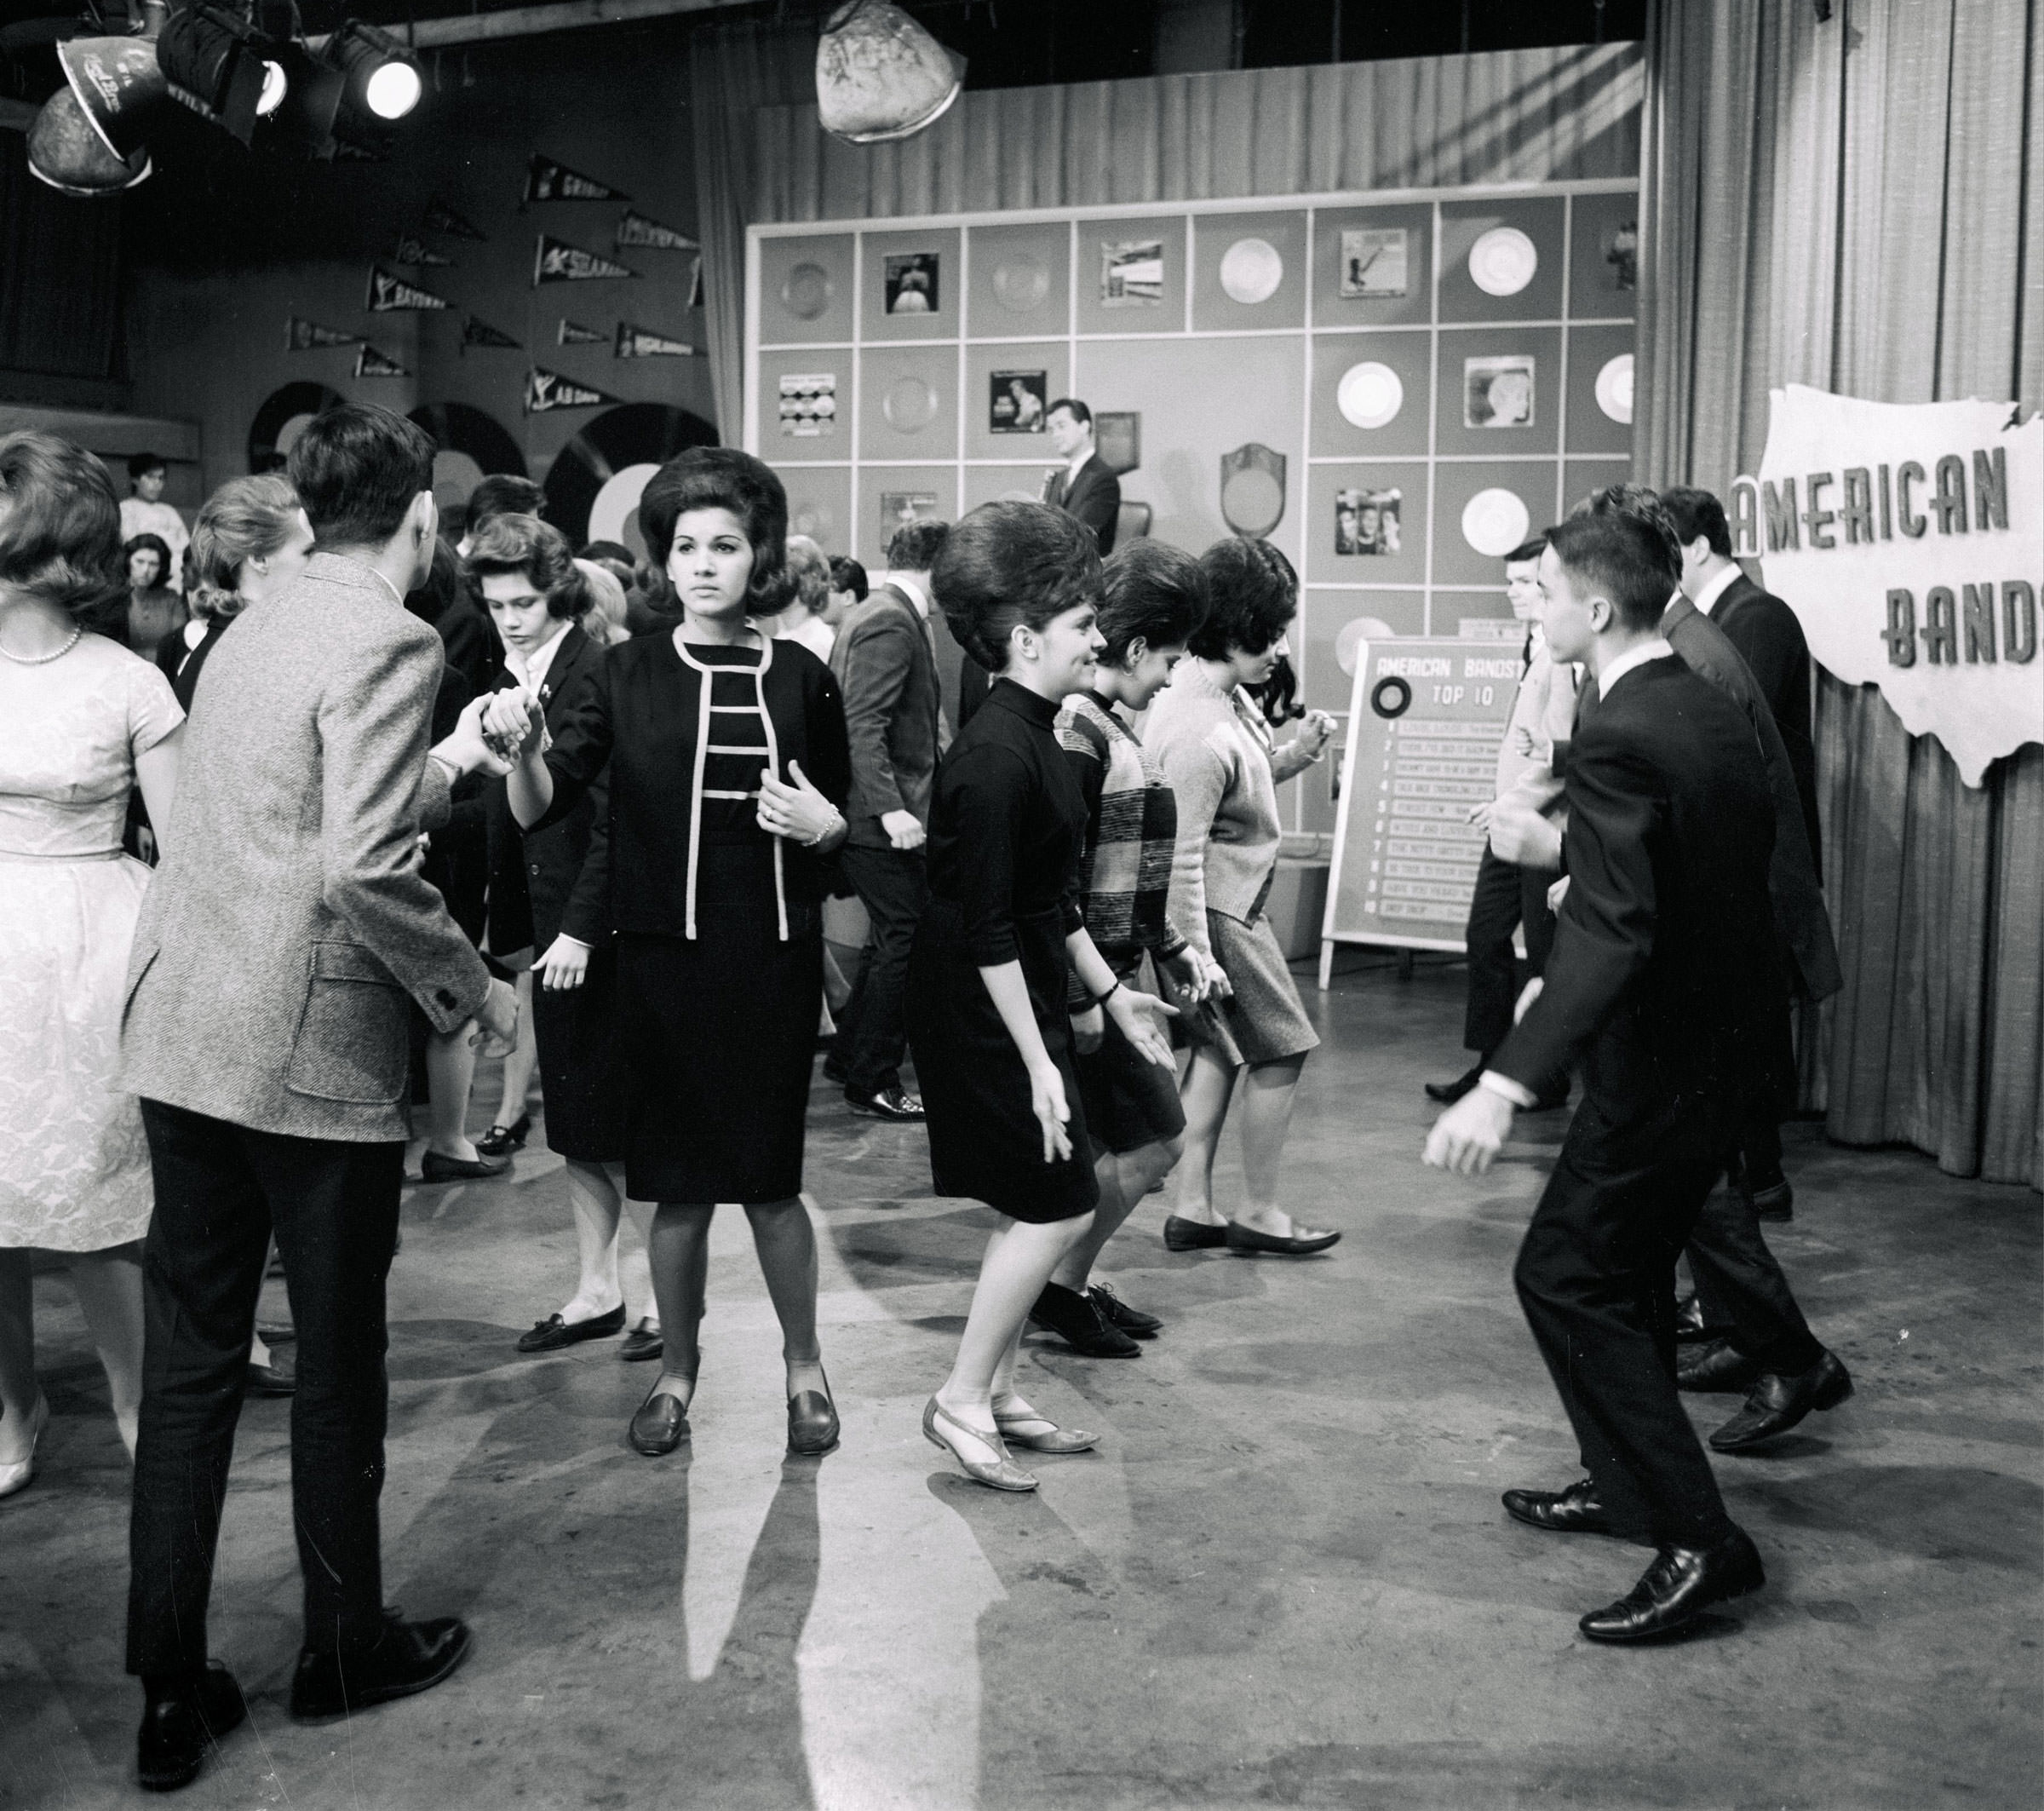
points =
(289, 920)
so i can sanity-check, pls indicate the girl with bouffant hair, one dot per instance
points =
(728, 768)
(83, 722)
(252, 540)
(991, 980)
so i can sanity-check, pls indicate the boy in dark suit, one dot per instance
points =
(1087, 488)
(1665, 976)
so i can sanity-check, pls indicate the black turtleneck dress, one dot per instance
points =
(1007, 838)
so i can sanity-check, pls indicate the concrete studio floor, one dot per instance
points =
(1283, 1579)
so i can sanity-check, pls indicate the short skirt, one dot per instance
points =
(1263, 1021)
(1130, 1102)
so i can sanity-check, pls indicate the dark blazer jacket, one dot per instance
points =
(887, 671)
(1767, 635)
(470, 638)
(182, 665)
(1094, 497)
(1665, 978)
(534, 873)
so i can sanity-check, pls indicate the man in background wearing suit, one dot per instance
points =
(1086, 487)
(266, 1032)
(885, 662)
(1664, 971)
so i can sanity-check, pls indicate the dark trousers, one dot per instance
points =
(1506, 895)
(1596, 1276)
(221, 1191)
(872, 1030)
(1742, 1291)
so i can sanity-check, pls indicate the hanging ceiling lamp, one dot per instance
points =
(118, 86)
(67, 152)
(879, 75)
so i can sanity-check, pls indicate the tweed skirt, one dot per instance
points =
(1263, 1021)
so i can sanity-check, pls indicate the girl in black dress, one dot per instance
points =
(1001, 938)
(728, 768)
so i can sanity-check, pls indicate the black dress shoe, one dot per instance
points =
(435, 1168)
(280, 1378)
(1192, 1235)
(1679, 1585)
(1778, 1403)
(641, 1343)
(1715, 1368)
(1077, 1320)
(1573, 1511)
(1448, 1093)
(1689, 1327)
(895, 1103)
(660, 1425)
(553, 1333)
(501, 1140)
(181, 1719)
(1774, 1200)
(404, 1658)
(1250, 1243)
(813, 1424)
(1117, 1313)
(833, 1071)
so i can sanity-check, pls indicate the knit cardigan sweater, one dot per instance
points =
(1216, 752)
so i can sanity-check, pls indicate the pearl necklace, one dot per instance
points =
(77, 636)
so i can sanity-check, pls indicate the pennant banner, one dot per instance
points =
(547, 181)
(388, 294)
(640, 342)
(548, 390)
(308, 335)
(441, 218)
(414, 251)
(477, 332)
(371, 363)
(573, 333)
(636, 230)
(557, 261)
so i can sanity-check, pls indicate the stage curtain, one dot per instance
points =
(60, 277)
(1858, 204)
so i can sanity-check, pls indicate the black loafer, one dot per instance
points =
(1192, 1235)
(1079, 1323)
(1689, 1327)
(181, 1719)
(1448, 1093)
(553, 1333)
(435, 1168)
(641, 1343)
(1776, 1201)
(813, 1424)
(404, 1658)
(1250, 1243)
(890, 1103)
(501, 1140)
(660, 1425)
(1677, 1588)
(1117, 1313)
(1718, 1368)
(1778, 1404)
(280, 1378)
(1573, 1511)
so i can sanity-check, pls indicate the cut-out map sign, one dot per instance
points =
(545, 391)
(547, 181)
(555, 261)
(389, 294)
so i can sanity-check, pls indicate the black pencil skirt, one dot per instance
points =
(580, 1073)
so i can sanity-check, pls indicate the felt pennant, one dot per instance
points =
(545, 391)
(389, 294)
(573, 333)
(547, 181)
(634, 229)
(441, 218)
(477, 332)
(371, 363)
(414, 251)
(308, 335)
(641, 342)
(555, 261)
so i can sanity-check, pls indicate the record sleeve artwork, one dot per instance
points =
(1498, 392)
(1375, 262)
(911, 283)
(1367, 522)
(1015, 401)
(808, 403)
(1132, 273)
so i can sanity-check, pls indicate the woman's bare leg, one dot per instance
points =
(109, 1285)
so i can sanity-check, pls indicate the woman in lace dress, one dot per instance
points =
(82, 723)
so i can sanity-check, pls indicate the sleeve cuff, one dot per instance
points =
(1504, 1085)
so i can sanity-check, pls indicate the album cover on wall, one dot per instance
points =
(1367, 522)
(1498, 392)
(1374, 261)
(898, 508)
(1132, 273)
(809, 403)
(1015, 401)
(911, 283)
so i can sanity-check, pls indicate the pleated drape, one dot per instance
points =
(61, 284)
(1859, 204)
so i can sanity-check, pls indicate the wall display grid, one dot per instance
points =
(1429, 367)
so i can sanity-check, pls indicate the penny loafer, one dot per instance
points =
(1251, 1243)
(1077, 1320)
(181, 1719)
(1575, 1510)
(404, 1658)
(435, 1168)
(1448, 1093)
(641, 1343)
(501, 1140)
(813, 1424)
(553, 1333)
(1717, 1368)
(1777, 1403)
(1192, 1235)
(1117, 1313)
(1681, 1583)
(280, 1378)
(660, 1425)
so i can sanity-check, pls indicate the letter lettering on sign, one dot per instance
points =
(1913, 524)
(1783, 530)
(2018, 620)
(1941, 626)
(1744, 519)
(1818, 521)
(1857, 514)
(1991, 489)
(1887, 511)
(1949, 503)
(1980, 619)
(1901, 632)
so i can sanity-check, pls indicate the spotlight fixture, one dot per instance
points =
(218, 65)
(384, 81)
(880, 76)
(119, 88)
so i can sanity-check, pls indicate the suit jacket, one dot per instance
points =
(182, 665)
(470, 638)
(533, 874)
(1804, 924)
(1769, 640)
(886, 670)
(1665, 977)
(289, 919)
(1094, 497)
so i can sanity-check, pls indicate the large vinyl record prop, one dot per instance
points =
(471, 445)
(633, 434)
(282, 418)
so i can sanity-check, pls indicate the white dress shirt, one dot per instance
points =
(531, 671)
(1707, 598)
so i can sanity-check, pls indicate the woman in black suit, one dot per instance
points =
(547, 894)
(988, 1007)
(728, 768)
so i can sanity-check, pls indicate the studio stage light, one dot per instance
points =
(218, 65)
(382, 80)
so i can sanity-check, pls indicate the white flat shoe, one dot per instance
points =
(15, 1477)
